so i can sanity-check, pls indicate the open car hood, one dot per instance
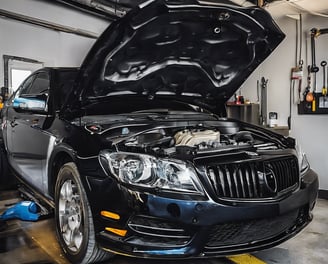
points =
(191, 52)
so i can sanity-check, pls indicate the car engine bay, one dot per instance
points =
(185, 143)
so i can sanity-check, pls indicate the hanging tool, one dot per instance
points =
(296, 77)
(264, 83)
(299, 91)
(291, 89)
(259, 101)
(299, 34)
(257, 91)
(300, 66)
(308, 95)
(324, 87)
(314, 67)
(313, 106)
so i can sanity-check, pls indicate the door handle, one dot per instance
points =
(35, 123)
(13, 122)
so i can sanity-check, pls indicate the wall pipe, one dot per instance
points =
(47, 24)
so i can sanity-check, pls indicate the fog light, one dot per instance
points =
(120, 232)
(110, 215)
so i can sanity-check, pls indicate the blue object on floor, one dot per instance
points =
(25, 210)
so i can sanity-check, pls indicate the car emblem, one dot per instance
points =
(270, 180)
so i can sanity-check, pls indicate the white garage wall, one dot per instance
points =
(311, 131)
(51, 47)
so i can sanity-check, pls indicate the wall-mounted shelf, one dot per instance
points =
(321, 106)
(282, 130)
(244, 112)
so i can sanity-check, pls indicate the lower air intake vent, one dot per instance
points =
(158, 233)
(232, 234)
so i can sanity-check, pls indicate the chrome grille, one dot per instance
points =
(251, 180)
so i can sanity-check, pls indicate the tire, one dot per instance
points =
(73, 217)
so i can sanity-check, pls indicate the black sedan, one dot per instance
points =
(133, 150)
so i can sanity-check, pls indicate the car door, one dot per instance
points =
(8, 116)
(29, 142)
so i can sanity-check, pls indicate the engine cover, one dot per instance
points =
(196, 138)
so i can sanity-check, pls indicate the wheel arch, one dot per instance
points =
(61, 155)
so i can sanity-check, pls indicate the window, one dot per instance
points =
(17, 77)
(16, 69)
(32, 94)
(36, 84)
(40, 84)
(26, 85)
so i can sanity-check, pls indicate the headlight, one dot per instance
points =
(148, 172)
(303, 163)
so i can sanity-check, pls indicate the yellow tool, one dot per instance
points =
(324, 87)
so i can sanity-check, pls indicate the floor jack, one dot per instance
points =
(30, 209)
(44, 210)
(24, 210)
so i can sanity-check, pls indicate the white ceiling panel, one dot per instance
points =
(287, 7)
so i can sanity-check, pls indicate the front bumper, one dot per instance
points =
(159, 227)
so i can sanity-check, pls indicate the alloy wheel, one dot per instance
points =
(70, 215)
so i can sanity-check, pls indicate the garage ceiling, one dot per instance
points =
(287, 7)
(112, 9)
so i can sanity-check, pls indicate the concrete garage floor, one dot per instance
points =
(35, 242)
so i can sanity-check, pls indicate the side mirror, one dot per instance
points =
(32, 103)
